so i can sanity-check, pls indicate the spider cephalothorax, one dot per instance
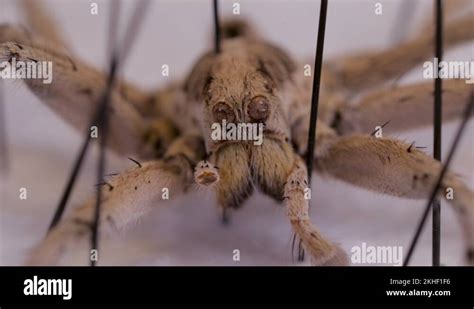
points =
(245, 84)
(251, 83)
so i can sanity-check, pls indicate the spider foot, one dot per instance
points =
(206, 173)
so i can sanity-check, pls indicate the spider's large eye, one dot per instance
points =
(258, 108)
(223, 111)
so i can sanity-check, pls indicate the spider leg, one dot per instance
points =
(46, 32)
(322, 251)
(395, 168)
(407, 107)
(206, 174)
(371, 69)
(126, 197)
(145, 115)
(73, 92)
(22, 36)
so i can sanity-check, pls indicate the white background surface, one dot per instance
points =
(188, 230)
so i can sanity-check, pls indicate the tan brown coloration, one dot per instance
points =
(250, 81)
(135, 192)
(271, 163)
(37, 41)
(171, 104)
(252, 93)
(409, 107)
(235, 180)
(126, 198)
(325, 136)
(392, 167)
(234, 28)
(74, 95)
(206, 173)
(22, 36)
(322, 251)
(258, 70)
(380, 67)
(159, 135)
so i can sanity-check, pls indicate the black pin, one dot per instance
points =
(217, 28)
(318, 64)
(118, 54)
(438, 85)
(101, 120)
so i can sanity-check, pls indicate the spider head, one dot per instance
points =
(242, 91)
(242, 97)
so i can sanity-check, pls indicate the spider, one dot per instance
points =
(250, 81)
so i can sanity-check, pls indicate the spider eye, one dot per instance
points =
(258, 108)
(223, 111)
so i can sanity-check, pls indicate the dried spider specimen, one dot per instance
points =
(249, 82)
